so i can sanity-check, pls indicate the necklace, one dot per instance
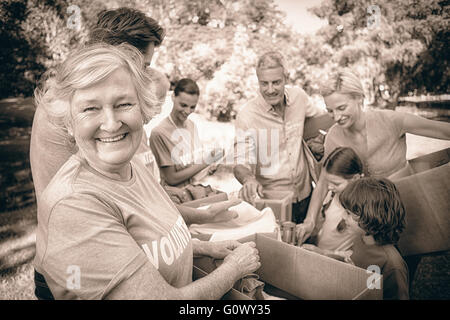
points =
(174, 124)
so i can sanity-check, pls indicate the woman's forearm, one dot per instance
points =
(147, 283)
(192, 215)
(174, 177)
(317, 197)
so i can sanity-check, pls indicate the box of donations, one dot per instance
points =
(425, 193)
(292, 272)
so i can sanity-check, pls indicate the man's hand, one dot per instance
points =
(303, 231)
(212, 168)
(250, 190)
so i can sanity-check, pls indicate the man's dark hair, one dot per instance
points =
(127, 25)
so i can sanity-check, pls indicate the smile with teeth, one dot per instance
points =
(113, 139)
(342, 120)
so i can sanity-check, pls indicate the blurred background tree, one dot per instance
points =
(35, 38)
(398, 48)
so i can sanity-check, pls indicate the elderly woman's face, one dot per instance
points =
(107, 122)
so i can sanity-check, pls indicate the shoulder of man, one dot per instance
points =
(246, 111)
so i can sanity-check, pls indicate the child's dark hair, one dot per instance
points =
(343, 162)
(127, 25)
(188, 86)
(380, 209)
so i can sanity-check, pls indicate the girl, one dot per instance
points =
(335, 233)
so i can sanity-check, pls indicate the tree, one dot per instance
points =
(397, 46)
(216, 43)
(36, 36)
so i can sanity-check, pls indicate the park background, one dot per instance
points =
(398, 48)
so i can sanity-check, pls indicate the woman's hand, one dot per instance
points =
(245, 259)
(221, 249)
(303, 231)
(218, 212)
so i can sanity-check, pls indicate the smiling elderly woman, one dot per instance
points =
(106, 229)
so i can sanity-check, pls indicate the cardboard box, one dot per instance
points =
(297, 273)
(279, 201)
(425, 196)
(429, 161)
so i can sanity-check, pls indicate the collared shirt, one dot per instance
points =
(271, 146)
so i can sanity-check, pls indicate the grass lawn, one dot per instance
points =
(17, 228)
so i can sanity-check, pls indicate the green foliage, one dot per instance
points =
(36, 37)
(405, 52)
(217, 42)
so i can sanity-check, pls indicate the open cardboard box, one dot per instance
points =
(279, 201)
(297, 273)
(425, 194)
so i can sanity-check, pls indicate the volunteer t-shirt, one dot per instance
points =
(391, 264)
(173, 146)
(95, 232)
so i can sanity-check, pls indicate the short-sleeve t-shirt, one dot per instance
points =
(173, 146)
(391, 264)
(386, 143)
(329, 237)
(103, 231)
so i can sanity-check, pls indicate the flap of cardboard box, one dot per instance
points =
(425, 196)
(305, 274)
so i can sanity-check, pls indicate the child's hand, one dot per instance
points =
(303, 231)
(313, 248)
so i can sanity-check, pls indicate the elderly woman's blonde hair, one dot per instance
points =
(271, 60)
(344, 82)
(89, 66)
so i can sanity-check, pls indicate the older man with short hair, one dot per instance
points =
(269, 153)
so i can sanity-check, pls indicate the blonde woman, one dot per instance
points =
(377, 136)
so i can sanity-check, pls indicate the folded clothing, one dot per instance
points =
(249, 221)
